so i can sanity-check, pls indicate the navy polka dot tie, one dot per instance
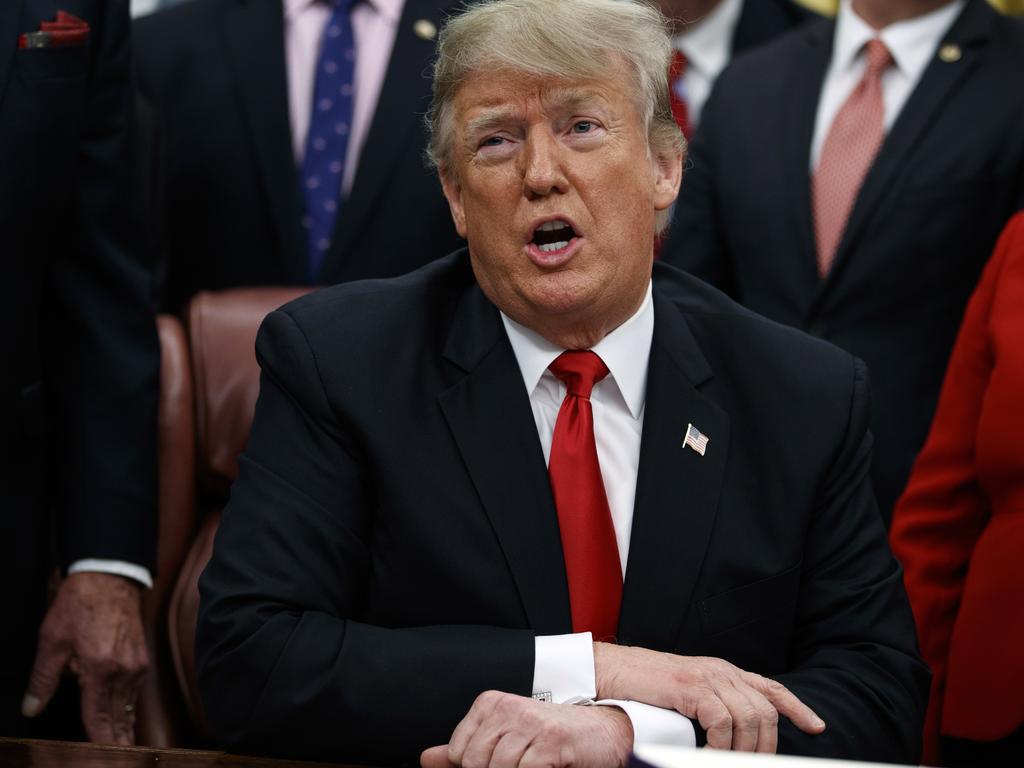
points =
(323, 166)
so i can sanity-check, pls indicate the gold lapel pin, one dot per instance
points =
(950, 53)
(425, 29)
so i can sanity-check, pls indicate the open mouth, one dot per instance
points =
(553, 236)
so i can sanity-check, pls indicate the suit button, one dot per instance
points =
(818, 329)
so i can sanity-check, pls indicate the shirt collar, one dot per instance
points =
(911, 43)
(708, 42)
(293, 8)
(390, 9)
(625, 351)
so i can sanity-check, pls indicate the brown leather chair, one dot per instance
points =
(161, 714)
(208, 393)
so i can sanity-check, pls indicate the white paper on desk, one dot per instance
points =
(680, 757)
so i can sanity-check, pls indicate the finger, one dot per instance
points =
(480, 747)
(745, 719)
(509, 751)
(768, 728)
(124, 695)
(538, 755)
(96, 709)
(436, 757)
(464, 731)
(714, 718)
(802, 716)
(51, 658)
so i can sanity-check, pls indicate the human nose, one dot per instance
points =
(542, 171)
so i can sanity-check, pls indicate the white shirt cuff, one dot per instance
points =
(115, 567)
(563, 668)
(654, 725)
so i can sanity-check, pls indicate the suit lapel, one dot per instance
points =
(254, 31)
(921, 113)
(10, 15)
(800, 113)
(489, 414)
(404, 98)
(677, 489)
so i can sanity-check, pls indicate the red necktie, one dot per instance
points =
(680, 109)
(853, 141)
(588, 537)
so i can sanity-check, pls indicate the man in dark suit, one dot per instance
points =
(78, 384)
(226, 81)
(459, 479)
(708, 33)
(946, 172)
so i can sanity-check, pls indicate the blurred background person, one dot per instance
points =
(901, 126)
(78, 385)
(959, 531)
(293, 140)
(706, 34)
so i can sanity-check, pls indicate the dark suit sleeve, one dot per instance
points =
(99, 338)
(696, 242)
(284, 663)
(855, 659)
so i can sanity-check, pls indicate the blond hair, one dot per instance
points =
(561, 40)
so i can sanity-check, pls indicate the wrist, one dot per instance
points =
(605, 677)
(620, 732)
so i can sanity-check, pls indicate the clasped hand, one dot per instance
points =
(739, 710)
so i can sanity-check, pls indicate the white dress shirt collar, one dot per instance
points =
(708, 41)
(912, 43)
(625, 351)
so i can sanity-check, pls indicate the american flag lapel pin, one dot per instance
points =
(695, 439)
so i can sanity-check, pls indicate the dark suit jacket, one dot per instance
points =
(215, 71)
(949, 175)
(764, 20)
(391, 546)
(79, 376)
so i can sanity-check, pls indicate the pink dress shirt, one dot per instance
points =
(374, 25)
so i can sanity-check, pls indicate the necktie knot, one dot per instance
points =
(879, 57)
(580, 370)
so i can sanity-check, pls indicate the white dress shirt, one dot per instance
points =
(912, 43)
(707, 45)
(564, 665)
(374, 27)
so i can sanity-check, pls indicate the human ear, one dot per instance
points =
(453, 194)
(668, 169)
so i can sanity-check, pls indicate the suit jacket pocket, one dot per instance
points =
(748, 603)
(37, 65)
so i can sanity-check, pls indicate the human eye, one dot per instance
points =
(492, 141)
(583, 127)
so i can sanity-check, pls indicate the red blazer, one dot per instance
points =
(959, 527)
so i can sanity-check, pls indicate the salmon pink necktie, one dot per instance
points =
(850, 148)
(584, 520)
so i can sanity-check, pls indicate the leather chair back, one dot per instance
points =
(209, 387)
(162, 720)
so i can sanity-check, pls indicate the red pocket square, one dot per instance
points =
(65, 30)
